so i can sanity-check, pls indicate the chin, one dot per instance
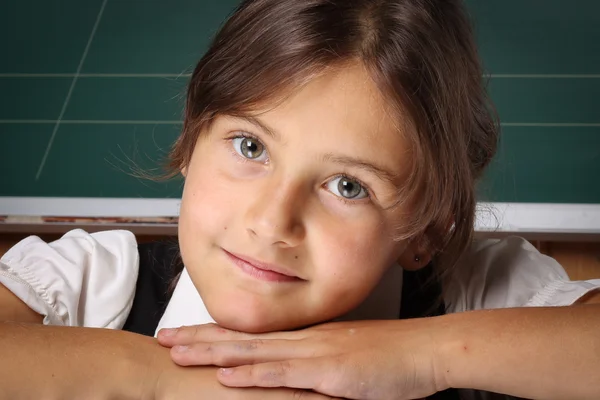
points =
(250, 320)
(244, 324)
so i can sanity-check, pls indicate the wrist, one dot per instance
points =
(157, 380)
(146, 365)
(451, 341)
(160, 385)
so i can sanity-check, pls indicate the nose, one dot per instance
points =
(274, 216)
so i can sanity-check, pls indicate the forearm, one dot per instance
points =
(74, 363)
(549, 353)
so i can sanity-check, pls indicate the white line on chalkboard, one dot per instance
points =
(176, 122)
(91, 122)
(66, 103)
(552, 124)
(544, 76)
(188, 75)
(99, 75)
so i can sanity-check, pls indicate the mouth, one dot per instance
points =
(262, 271)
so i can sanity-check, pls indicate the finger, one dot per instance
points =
(212, 333)
(235, 353)
(197, 333)
(296, 373)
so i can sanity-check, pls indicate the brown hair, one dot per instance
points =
(422, 56)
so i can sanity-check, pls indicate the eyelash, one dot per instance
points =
(352, 202)
(246, 135)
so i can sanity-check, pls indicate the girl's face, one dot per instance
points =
(284, 219)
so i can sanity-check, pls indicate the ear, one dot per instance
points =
(416, 255)
(184, 171)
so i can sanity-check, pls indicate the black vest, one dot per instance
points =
(420, 294)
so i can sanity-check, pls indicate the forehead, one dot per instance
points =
(342, 109)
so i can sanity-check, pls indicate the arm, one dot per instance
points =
(549, 353)
(62, 362)
(65, 362)
(90, 363)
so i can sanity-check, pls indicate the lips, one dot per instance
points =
(260, 270)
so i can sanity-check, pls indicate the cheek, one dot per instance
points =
(200, 196)
(207, 206)
(352, 260)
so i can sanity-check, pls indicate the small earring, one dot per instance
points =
(417, 259)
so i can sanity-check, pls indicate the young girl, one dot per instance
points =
(330, 148)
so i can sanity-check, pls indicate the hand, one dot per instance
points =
(201, 383)
(355, 360)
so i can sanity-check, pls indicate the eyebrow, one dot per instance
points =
(364, 165)
(379, 171)
(261, 125)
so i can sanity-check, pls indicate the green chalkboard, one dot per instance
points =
(114, 72)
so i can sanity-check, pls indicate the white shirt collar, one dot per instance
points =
(187, 308)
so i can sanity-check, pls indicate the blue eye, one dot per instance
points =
(347, 188)
(250, 148)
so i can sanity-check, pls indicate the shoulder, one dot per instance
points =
(81, 279)
(510, 273)
(76, 244)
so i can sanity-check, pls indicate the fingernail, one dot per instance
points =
(168, 332)
(226, 371)
(181, 349)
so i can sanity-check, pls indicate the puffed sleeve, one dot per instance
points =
(80, 279)
(511, 273)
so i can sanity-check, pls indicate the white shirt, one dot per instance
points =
(89, 280)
